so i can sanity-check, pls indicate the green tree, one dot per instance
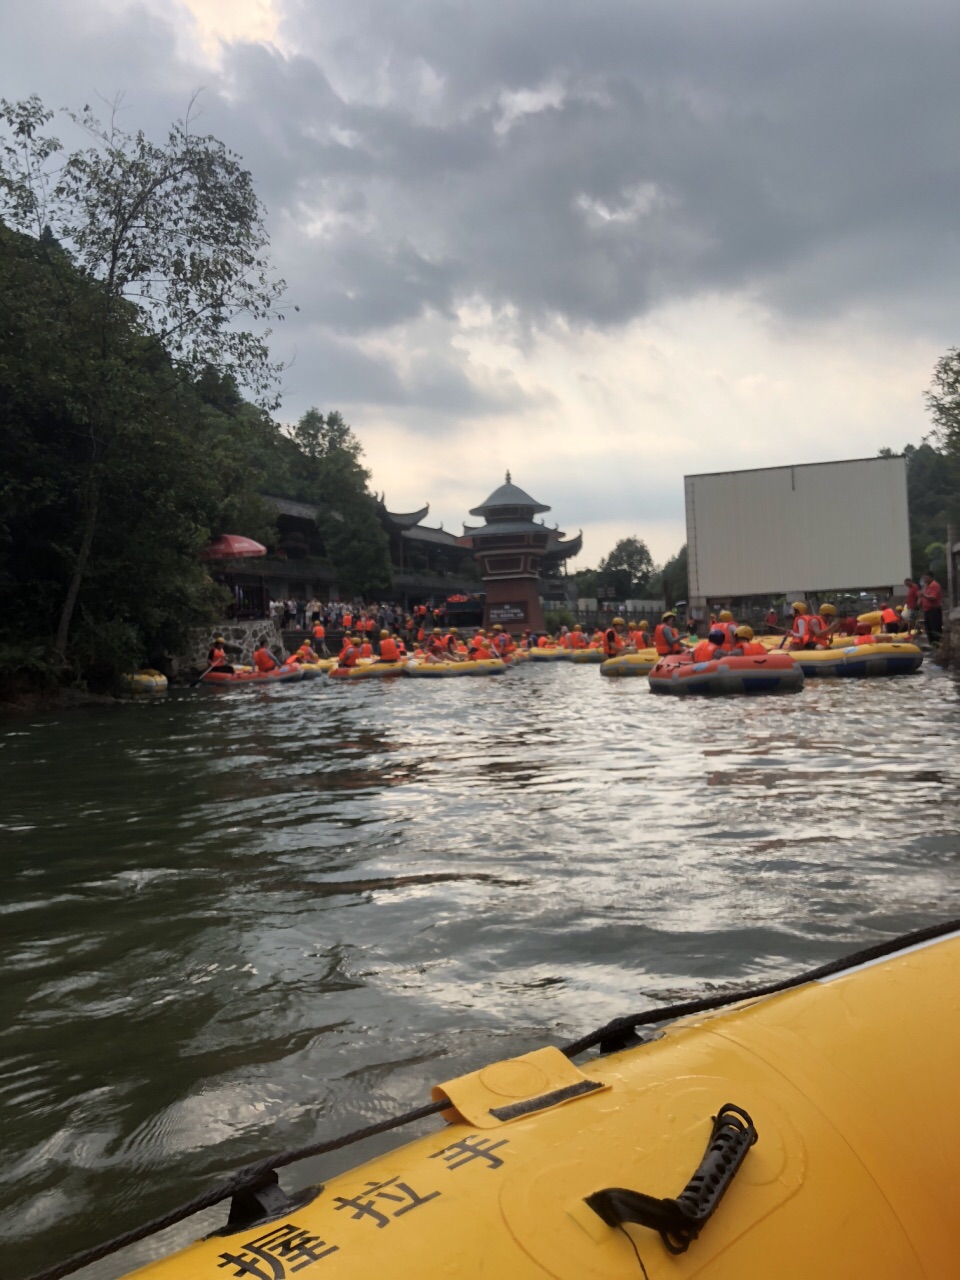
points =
(673, 578)
(628, 569)
(943, 402)
(328, 472)
(168, 243)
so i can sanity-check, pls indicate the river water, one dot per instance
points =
(236, 922)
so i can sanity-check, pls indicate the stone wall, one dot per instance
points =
(241, 639)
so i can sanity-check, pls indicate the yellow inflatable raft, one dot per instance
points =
(586, 657)
(367, 669)
(555, 653)
(631, 664)
(810, 1133)
(146, 681)
(312, 670)
(857, 661)
(438, 670)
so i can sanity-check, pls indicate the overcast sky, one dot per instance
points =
(603, 243)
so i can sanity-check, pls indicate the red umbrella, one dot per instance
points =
(232, 547)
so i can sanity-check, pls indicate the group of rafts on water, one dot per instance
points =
(729, 660)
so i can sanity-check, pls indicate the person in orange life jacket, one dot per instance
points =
(746, 646)
(346, 621)
(305, 654)
(712, 648)
(613, 638)
(802, 635)
(217, 657)
(366, 648)
(389, 649)
(726, 624)
(479, 651)
(890, 618)
(436, 649)
(263, 659)
(642, 637)
(577, 639)
(349, 655)
(504, 643)
(563, 639)
(823, 625)
(320, 636)
(665, 637)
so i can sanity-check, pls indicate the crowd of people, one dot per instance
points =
(388, 633)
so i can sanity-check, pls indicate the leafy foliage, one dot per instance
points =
(144, 256)
(628, 569)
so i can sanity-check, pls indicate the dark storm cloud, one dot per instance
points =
(554, 159)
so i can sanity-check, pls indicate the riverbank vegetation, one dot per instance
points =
(136, 388)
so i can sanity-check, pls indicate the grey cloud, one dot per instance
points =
(805, 154)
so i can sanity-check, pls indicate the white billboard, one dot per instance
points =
(814, 527)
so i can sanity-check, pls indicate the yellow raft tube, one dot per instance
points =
(147, 681)
(886, 656)
(438, 670)
(640, 663)
(839, 1159)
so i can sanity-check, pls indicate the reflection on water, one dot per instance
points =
(234, 923)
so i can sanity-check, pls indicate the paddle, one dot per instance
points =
(194, 683)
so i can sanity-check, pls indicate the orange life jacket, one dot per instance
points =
(366, 649)
(217, 657)
(578, 640)
(263, 661)
(480, 654)
(612, 644)
(349, 655)
(889, 615)
(389, 651)
(750, 648)
(707, 651)
(347, 622)
(306, 654)
(663, 643)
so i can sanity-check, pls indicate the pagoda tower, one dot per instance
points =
(510, 547)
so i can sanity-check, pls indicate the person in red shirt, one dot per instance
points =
(931, 602)
(912, 603)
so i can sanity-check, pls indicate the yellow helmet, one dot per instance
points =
(619, 622)
(724, 616)
(577, 627)
(670, 613)
(631, 625)
(454, 631)
(437, 631)
(830, 609)
(497, 627)
(354, 639)
(799, 606)
(384, 634)
(744, 633)
(642, 624)
(480, 631)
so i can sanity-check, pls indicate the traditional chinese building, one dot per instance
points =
(427, 562)
(515, 553)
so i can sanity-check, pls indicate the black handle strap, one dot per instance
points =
(679, 1221)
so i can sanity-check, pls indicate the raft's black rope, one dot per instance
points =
(669, 1013)
(617, 1028)
(242, 1178)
